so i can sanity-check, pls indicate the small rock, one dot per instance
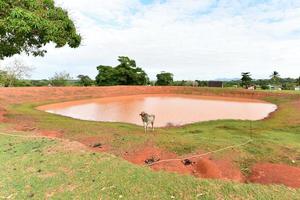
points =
(293, 161)
(96, 145)
(151, 160)
(120, 196)
(187, 162)
(172, 197)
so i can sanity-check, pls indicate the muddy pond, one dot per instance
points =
(170, 110)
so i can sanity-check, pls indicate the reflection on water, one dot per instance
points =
(169, 110)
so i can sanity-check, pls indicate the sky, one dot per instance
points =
(193, 39)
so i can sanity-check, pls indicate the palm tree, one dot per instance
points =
(275, 77)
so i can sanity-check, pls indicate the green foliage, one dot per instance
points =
(264, 87)
(275, 78)
(40, 83)
(28, 25)
(126, 73)
(202, 83)
(288, 86)
(106, 76)
(298, 81)
(246, 79)
(85, 80)
(164, 78)
(22, 83)
(60, 79)
(4, 78)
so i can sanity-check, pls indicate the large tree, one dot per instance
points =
(126, 73)
(246, 79)
(28, 25)
(106, 76)
(164, 78)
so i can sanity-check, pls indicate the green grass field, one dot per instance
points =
(49, 169)
(44, 168)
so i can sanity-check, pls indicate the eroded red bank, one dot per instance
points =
(207, 167)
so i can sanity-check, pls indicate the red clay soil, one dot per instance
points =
(139, 156)
(218, 169)
(51, 134)
(42, 94)
(276, 174)
(202, 168)
(2, 114)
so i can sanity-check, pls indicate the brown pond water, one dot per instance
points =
(170, 110)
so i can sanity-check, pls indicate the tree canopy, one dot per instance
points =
(246, 79)
(164, 78)
(126, 73)
(85, 80)
(275, 77)
(28, 25)
(60, 79)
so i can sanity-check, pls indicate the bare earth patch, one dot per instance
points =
(204, 167)
(2, 114)
(268, 173)
(51, 134)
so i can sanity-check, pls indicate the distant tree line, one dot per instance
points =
(127, 72)
(274, 81)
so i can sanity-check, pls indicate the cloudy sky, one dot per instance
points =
(194, 39)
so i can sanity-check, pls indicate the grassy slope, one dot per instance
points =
(278, 136)
(42, 168)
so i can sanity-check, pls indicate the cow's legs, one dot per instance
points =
(145, 127)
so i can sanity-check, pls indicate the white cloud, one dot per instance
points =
(193, 39)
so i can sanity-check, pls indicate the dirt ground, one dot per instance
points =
(267, 173)
(2, 114)
(205, 167)
(42, 94)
